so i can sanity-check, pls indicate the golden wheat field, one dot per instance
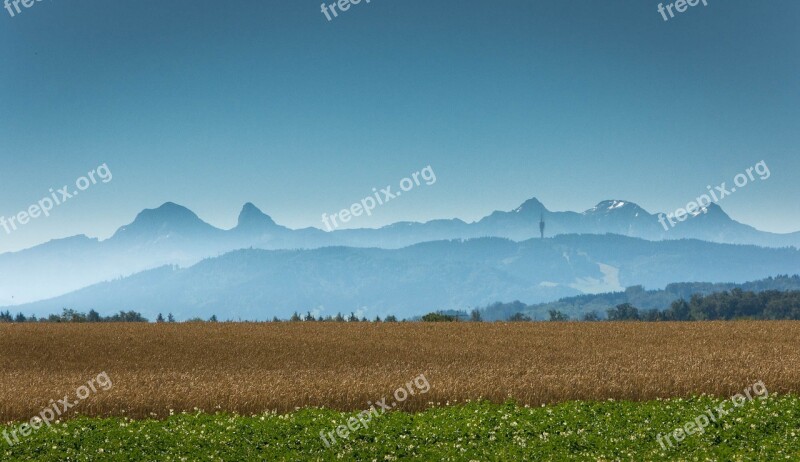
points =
(251, 368)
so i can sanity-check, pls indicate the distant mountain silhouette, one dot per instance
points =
(174, 235)
(170, 221)
(251, 218)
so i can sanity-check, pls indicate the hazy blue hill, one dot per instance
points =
(39, 270)
(174, 235)
(637, 296)
(453, 274)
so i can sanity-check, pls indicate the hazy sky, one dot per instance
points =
(214, 104)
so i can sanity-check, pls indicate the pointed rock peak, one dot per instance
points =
(714, 210)
(252, 215)
(532, 205)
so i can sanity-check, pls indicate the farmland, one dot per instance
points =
(232, 390)
(252, 368)
(761, 430)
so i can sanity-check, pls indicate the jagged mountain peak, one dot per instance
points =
(713, 212)
(253, 216)
(714, 209)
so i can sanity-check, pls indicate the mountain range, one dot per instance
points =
(174, 235)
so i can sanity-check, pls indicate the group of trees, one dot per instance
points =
(722, 305)
(648, 302)
(69, 315)
(338, 318)
(725, 305)
(438, 317)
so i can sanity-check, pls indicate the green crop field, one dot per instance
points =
(611, 430)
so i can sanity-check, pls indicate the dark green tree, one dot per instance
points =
(591, 316)
(438, 317)
(519, 317)
(557, 316)
(624, 312)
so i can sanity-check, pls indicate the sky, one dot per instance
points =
(214, 104)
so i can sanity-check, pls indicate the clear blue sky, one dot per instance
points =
(214, 104)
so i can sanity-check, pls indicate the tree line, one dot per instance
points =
(69, 315)
(725, 305)
(648, 302)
